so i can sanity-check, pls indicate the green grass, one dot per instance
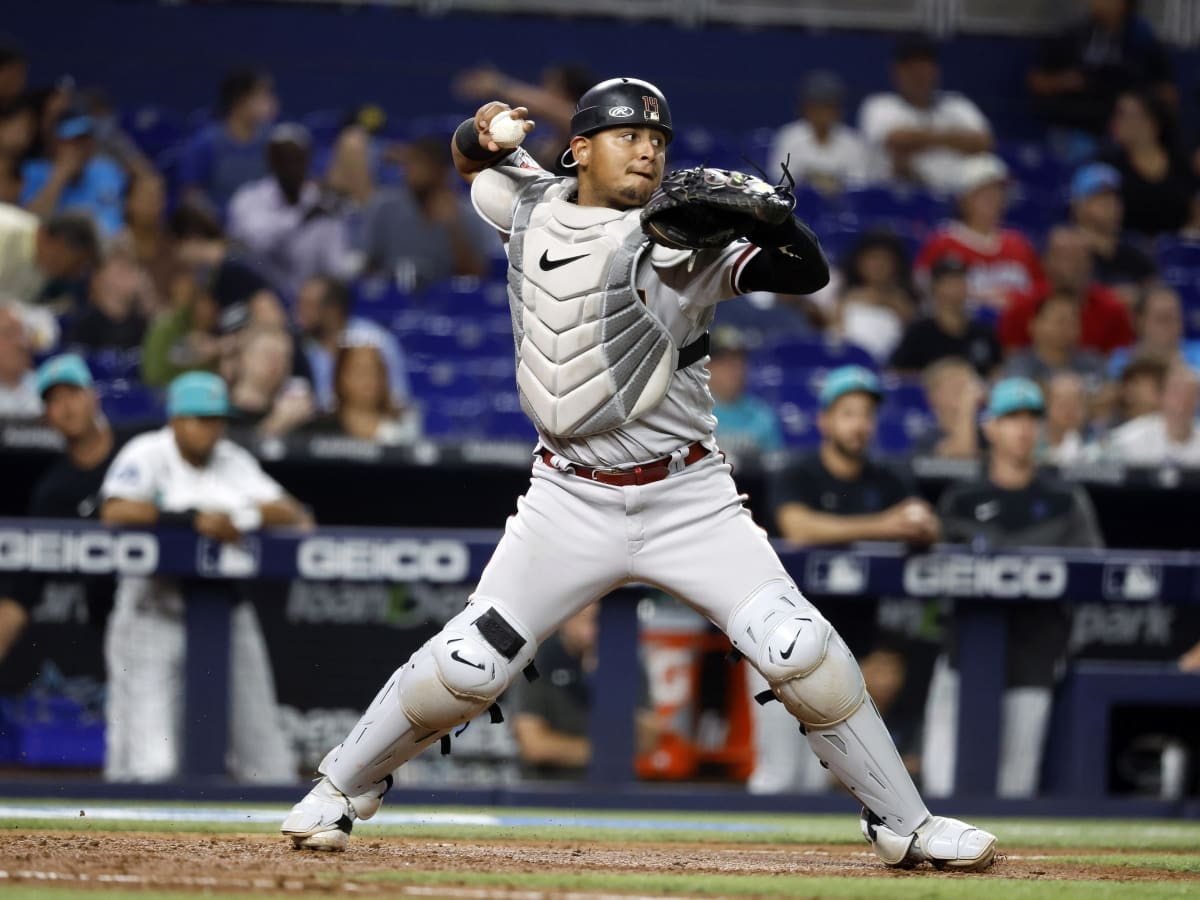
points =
(1163, 862)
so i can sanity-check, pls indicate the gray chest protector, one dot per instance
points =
(590, 356)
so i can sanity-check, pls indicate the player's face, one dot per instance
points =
(621, 167)
(1014, 437)
(849, 424)
(197, 436)
(70, 410)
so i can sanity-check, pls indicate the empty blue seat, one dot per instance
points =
(814, 352)
(153, 128)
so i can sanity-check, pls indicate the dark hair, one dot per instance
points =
(10, 53)
(77, 231)
(237, 85)
(335, 293)
(878, 240)
(191, 222)
(434, 148)
(1054, 297)
(576, 78)
(1145, 365)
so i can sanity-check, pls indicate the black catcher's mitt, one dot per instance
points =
(705, 209)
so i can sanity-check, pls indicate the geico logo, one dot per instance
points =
(983, 576)
(363, 559)
(86, 552)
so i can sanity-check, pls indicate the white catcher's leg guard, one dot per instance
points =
(815, 676)
(454, 677)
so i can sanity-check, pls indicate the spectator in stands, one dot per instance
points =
(264, 395)
(146, 235)
(743, 421)
(948, 330)
(120, 302)
(1160, 332)
(38, 257)
(425, 231)
(1140, 388)
(1000, 261)
(323, 316)
(75, 177)
(18, 384)
(284, 220)
(1105, 322)
(14, 68)
(954, 393)
(551, 103)
(225, 155)
(920, 134)
(820, 149)
(358, 156)
(1055, 347)
(68, 489)
(1156, 182)
(364, 408)
(1081, 70)
(111, 139)
(878, 298)
(838, 495)
(1097, 211)
(18, 131)
(1013, 505)
(1170, 436)
(1063, 439)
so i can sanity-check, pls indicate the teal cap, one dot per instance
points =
(1012, 395)
(846, 380)
(197, 394)
(66, 368)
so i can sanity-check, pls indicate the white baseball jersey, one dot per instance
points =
(680, 289)
(145, 640)
(150, 468)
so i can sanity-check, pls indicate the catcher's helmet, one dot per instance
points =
(622, 101)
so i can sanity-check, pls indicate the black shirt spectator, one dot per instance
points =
(1081, 70)
(949, 331)
(1098, 212)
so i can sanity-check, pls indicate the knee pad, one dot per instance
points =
(463, 669)
(805, 662)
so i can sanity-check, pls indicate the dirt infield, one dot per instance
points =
(260, 863)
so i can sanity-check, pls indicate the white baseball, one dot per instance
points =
(506, 131)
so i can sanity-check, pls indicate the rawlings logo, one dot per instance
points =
(620, 112)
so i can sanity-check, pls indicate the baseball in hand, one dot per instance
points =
(506, 131)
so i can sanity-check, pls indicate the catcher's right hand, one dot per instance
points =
(705, 209)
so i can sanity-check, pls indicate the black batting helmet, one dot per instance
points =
(622, 101)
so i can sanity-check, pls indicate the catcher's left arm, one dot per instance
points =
(704, 209)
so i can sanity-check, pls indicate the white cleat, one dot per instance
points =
(322, 820)
(943, 842)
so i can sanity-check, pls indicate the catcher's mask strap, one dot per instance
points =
(693, 352)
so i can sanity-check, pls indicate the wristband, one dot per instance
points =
(183, 519)
(248, 518)
(466, 139)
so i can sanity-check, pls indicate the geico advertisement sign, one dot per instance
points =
(1035, 577)
(85, 552)
(372, 559)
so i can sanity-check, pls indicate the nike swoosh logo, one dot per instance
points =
(546, 264)
(787, 654)
(466, 662)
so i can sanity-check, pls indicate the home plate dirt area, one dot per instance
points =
(54, 861)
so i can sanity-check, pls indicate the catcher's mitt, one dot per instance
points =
(704, 209)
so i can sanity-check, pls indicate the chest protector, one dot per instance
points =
(590, 355)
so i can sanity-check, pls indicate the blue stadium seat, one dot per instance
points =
(814, 352)
(153, 128)
(914, 207)
(799, 424)
(1178, 257)
(126, 402)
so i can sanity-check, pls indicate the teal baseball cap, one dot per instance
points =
(846, 380)
(1012, 395)
(66, 368)
(197, 394)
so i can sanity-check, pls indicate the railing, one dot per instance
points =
(981, 585)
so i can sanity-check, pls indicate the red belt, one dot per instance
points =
(646, 473)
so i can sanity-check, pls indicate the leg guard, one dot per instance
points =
(454, 677)
(816, 677)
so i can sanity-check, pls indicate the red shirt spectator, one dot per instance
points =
(1000, 261)
(1105, 323)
